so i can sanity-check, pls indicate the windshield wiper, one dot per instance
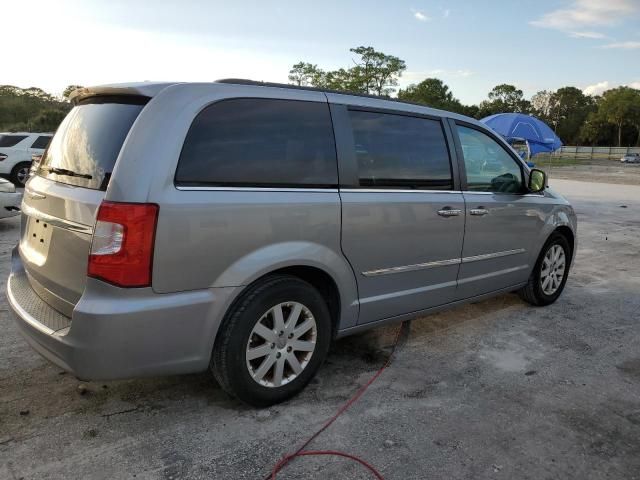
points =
(68, 173)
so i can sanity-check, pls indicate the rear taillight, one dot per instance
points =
(122, 246)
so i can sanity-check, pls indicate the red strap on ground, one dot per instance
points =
(301, 450)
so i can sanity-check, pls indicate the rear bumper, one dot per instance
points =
(120, 333)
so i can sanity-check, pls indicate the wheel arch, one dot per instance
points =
(316, 264)
(567, 233)
(560, 221)
(321, 281)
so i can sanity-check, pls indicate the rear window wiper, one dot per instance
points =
(68, 173)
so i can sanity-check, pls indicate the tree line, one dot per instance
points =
(30, 110)
(612, 118)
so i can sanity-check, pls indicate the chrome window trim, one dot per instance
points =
(394, 190)
(257, 189)
(469, 192)
(441, 263)
(345, 190)
(56, 221)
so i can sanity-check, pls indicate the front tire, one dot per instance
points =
(272, 341)
(550, 273)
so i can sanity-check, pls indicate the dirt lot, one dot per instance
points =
(605, 171)
(495, 390)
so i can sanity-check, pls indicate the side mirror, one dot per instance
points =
(537, 181)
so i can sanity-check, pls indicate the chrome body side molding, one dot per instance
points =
(441, 263)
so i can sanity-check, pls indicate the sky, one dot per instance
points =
(472, 45)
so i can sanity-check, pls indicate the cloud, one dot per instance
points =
(594, 35)
(597, 88)
(446, 13)
(601, 87)
(415, 77)
(623, 45)
(421, 16)
(587, 13)
(463, 72)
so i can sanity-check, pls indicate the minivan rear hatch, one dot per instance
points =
(62, 198)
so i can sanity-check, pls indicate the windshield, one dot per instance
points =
(84, 150)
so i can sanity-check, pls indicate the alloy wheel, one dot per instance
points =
(553, 267)
(281, 344)
(23, 175)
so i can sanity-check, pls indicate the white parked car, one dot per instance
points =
(10, 199)
(631, 158)
(16, 150)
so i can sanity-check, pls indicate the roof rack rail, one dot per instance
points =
(244, 81)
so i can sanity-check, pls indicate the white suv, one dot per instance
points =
(16, 150)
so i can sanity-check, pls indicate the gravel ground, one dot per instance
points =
(493, 390)
(603, 171)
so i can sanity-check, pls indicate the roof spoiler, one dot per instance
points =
(142, 89)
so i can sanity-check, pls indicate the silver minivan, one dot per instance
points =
(240, 227)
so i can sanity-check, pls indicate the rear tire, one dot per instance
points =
(272, 341)
(20, 174)
(550, 272)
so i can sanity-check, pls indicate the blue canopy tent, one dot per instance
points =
(518, 126)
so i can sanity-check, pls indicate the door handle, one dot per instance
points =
(449, 212)
(478, 211)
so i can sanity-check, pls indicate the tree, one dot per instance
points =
(541, 104)
(471, 111)
(70, 88)
(568, 111)
(432, 92)
(29, 109)
(341, 79)
(377, 72)
(505, 98)
(620, 106)
(37, 93)
(635, 116)
(596, 131)
(374, 73)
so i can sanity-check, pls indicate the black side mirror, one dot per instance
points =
(537, 181)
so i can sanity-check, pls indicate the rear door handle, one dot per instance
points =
(478, 211)
(449, 212)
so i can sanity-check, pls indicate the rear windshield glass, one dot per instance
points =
(85, 148)
(11, 140)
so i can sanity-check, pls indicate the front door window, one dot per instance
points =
(488, 165)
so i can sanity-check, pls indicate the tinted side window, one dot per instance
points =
(400, 151)
(41, 142)
(488, 165)
(260, 142)
(11, 140)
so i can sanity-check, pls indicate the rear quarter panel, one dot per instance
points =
(211, 238)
